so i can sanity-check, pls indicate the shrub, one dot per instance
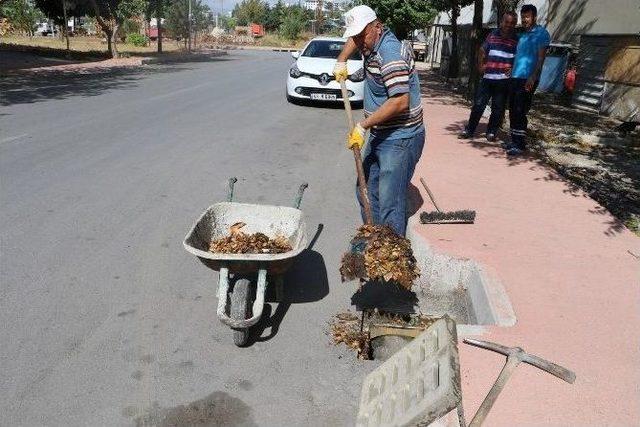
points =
(137, 39)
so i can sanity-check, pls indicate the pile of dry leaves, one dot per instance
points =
(387, 256)
(345, 329)
(348, 329)
(242, 243)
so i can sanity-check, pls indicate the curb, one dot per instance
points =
(487, 297)
(184, 57)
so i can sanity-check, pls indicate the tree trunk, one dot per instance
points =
(453, 61)
(159, 15)
(106, 28)
(66, 25)
(476, 34)
(114, 35)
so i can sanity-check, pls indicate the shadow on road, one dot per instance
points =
(305, 282)
(45, 85)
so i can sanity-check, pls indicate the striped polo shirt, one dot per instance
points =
(500, 52)
(390, 71)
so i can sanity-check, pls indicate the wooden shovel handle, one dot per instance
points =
(362, 183)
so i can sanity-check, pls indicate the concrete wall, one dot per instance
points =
(566, 19)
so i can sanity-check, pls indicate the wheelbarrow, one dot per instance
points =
(241, 276)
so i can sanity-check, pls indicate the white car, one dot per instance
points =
(311, 76)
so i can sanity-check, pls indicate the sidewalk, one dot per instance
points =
(569, 268)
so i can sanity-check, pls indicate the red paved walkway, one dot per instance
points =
(565, 264)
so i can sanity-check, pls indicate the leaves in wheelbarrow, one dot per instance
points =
(239, 242)
(387, 257)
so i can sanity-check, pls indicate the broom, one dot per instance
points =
(439, 217)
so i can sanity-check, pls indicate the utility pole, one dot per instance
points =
(189, 25)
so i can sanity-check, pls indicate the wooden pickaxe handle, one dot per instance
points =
(515, 355)
(362, 183)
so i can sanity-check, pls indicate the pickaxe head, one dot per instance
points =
(521, 356)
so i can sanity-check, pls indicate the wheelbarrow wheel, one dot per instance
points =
(240, 309)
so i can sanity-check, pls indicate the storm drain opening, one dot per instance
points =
(388, 317)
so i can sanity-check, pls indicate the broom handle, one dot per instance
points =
(433, 199)
(362, 184)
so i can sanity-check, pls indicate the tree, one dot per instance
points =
(453, 7)
(293, 23)
(177, 22)
(250, 11)
(403, 16)
(22, 14)
(111, 14)
(155, 8)
(476, 34)
(274, 16)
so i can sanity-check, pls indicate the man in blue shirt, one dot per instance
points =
(392, 114)
(530, 54)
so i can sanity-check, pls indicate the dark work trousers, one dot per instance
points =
(518, 109)
(498, 92)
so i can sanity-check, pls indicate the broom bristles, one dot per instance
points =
(465, 215)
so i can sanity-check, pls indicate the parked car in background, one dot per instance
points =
(311, 75)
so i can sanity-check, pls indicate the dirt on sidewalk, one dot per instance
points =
(583, 147)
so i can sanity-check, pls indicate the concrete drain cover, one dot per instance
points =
(418, 384)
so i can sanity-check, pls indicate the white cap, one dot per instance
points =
(358, 18)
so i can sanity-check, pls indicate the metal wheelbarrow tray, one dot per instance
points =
(243, 269)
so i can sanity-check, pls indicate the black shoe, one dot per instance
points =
(507, 145)
(491, 137)
(465, 134)
(515, 151)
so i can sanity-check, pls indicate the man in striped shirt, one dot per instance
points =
(392, 114)
(495, 59)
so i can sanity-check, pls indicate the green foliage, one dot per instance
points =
(137, 39)
(293, 23)
(228, 22)
(177, 20)
(274, 16)
(250, 11)
(22, 14)
(130, 26)
(404, 16)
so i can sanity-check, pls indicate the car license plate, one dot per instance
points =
(323, 96)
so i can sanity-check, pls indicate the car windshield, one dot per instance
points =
(327, 49)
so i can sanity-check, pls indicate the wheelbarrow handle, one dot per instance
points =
(258, 304)
(296, 203)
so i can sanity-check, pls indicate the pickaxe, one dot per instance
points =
(515, 355)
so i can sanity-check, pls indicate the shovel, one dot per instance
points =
(362, 184)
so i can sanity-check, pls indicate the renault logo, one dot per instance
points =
(324, 79)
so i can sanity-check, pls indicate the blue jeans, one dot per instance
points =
(498, 92)
(388, 168)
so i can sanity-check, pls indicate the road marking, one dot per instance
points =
(13, 138)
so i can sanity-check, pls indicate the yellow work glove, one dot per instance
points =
(356, 137)
(340, 71)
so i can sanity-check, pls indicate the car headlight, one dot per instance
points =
(358, 76)
(294, 71)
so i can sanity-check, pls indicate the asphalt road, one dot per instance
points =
(105, 318)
